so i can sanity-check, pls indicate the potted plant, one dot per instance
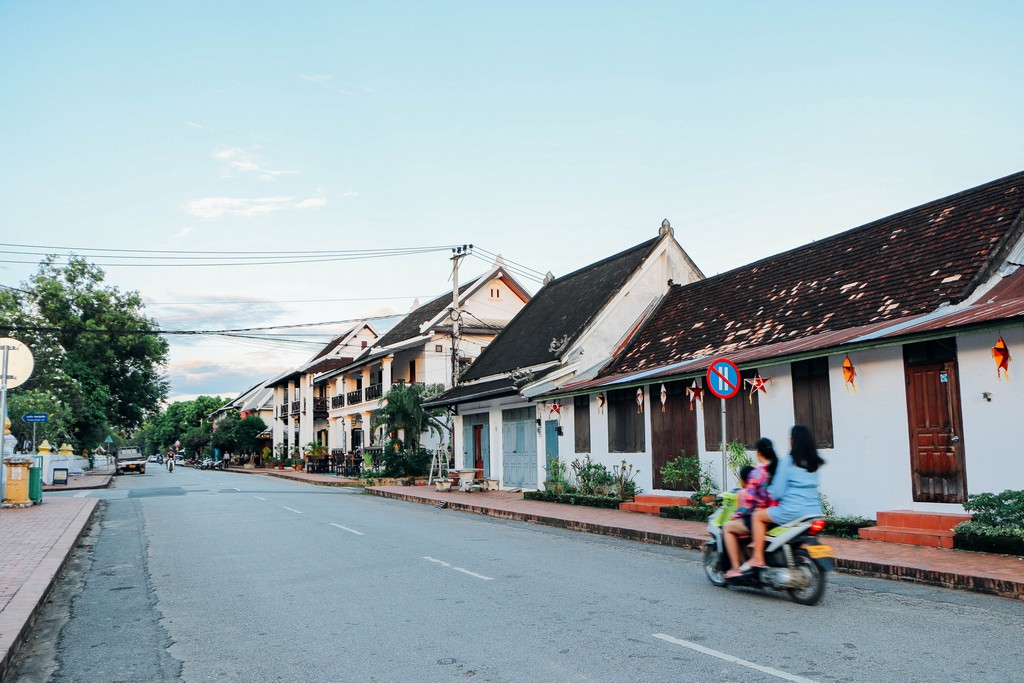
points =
(737, 458)
(558, 472)
(281, 464)
(265, 455)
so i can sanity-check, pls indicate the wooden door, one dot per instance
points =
(673, 432)
(478, 448)
(519, 448)
(937, 461)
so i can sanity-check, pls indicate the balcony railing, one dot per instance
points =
(338, 401)
(282, 412)
(319, 406)
(296, 407)
(354, 397)
(373, 392)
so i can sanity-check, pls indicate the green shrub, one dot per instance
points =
(592, 478)
(693, 513)
(574, 499)
(985, 538)
(846, 527)
(406, 463)
(997, 509)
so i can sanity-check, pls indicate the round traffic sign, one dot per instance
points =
(723, 378)
(19, 361)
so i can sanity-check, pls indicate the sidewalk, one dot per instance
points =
(89, 480)
(1001, 575)
(318, 479)
(37, 541)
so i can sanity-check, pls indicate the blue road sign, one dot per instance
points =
(35, 417)
(723, 378)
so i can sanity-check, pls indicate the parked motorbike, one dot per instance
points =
(797, 561)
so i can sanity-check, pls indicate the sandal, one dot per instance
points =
(746, 567)
(734, 574)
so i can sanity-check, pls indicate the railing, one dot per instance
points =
(335, 452)
(338, 401)
(282, 412)
(319, 407)
(354, 397)
(373, 391)
(296, 407)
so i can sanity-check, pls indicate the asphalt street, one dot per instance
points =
(212, 576)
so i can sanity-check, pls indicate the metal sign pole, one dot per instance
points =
(3, 422)
(724, 454)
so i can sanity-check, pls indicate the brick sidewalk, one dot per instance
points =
(318, 479)
(37, 541)
(980, 572)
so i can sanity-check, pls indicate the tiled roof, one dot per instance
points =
(560, 310)
(469, 392)
(409, 326)
(903, 265)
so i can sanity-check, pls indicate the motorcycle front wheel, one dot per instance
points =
(713, 565)
(815, 588)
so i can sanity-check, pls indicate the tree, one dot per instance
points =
(401, 411)
(95, 350)
(170, 425)
(235, 434)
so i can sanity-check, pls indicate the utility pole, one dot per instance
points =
(458, 253)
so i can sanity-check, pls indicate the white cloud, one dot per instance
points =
(239, 160)
(324, 81)
(184, 232)
(216, 207)
(193, 124)
(350, 193)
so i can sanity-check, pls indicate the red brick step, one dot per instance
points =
(651, 504)
(930, 529)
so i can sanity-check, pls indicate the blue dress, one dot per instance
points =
(796, 489)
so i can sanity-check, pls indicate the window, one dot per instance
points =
(581, 420)
(495, 293)
(412, 371)
(625, 424)
(812, 400)
(438, 348)
(742, 417)
(362, 344)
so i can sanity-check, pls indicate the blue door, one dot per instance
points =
(476, 449)
(550, 444)
(519, 447)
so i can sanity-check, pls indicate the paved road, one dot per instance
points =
(210, 576)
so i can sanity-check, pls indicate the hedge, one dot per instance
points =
(693, 513)
(574, 499)
(846, 527)
(1007, 540)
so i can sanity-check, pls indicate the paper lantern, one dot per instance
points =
(1001, 355)
(849, 375)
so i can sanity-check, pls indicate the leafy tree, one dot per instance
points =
(94, 348)
(234, 434)
(197, 438)
(402, 414)
(160, 431)
(57, 429)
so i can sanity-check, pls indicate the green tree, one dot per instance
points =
(57, 428)
(94, 347)
(402, 414)
(196, 439)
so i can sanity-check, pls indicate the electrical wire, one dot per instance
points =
(493, 255)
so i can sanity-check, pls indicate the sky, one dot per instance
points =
(553, 133)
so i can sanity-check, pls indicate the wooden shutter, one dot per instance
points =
(581, 421)
(812, 399)
(625, 424)
(742, 417)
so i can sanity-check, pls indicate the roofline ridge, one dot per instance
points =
(652, 242)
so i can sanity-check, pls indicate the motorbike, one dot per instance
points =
(797, 561)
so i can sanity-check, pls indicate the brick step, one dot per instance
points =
(646, 508)
(663, 500)
(931, 538)
(916, 520)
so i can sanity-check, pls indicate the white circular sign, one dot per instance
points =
(19, 361)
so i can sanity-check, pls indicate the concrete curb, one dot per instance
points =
(81, 487)
(859, 567)
(33, 593)
(280, 475)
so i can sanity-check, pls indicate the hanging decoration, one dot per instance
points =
(696, 393)
(555, 409)
(1001, 355)
(849, 375)
(664, 397)
(757, 383)
(600, 403)
(639, 399)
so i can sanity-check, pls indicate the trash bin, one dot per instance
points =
(17, 481)
(35, 481)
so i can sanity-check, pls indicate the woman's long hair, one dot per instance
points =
(805, 451)
(767, 450)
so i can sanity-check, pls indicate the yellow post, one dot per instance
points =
(44, 447)
(17, 482)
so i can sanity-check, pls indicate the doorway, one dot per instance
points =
(937, 461)
(673, 433)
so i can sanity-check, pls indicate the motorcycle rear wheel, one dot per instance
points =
(712, 565)
(815, 588)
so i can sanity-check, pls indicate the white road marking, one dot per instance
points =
(295, 511)
(458, 569)
(735, 660)
(81, 494)
(258, 498)
(234, 489)
(345, 528)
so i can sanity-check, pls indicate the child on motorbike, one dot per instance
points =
(754, 497)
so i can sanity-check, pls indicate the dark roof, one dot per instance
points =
(409, 326)
(561, 309)
(903, 265)
(464, 393)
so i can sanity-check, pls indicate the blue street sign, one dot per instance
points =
(723, 379)
(35, 417)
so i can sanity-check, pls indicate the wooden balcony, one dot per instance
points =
(296, 407)
(373, 392)
(338, 401)
(354, 397)
(319, 407)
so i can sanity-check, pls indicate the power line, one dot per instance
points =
(313, 252)
(269, 302)
(506, 260)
